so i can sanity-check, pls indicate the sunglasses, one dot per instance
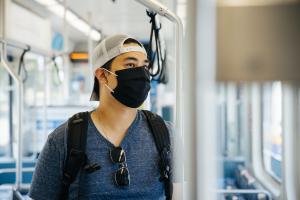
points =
(122, 177)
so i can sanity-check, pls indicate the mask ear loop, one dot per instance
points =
(109, 71)
(106, 84)
(109, 88)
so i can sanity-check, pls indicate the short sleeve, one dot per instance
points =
(176, 149)
(46, 182)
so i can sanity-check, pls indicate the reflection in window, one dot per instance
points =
(272, 128)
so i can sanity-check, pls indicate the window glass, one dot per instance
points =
(272, 128)
(233, 119)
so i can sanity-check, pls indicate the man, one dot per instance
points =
(122, 83)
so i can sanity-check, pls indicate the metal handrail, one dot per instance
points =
(19, 45)
(165, 12)
(244, 191)
(162, 10)
(18, 195)
(11, 170)
(19, 102)
(8, 186)
(14, 44)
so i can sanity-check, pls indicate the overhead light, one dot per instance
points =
(84, 27)
(79, 24)
(57, 9)
(47, 2)
(95, 35)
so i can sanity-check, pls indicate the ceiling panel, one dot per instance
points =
(123, 16)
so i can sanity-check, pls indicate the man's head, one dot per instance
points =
(112, 56)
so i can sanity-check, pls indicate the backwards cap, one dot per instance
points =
(108, 49)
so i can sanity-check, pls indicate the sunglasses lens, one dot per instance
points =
(122, 177)
(117, 155)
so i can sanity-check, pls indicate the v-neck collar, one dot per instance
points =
(127, 136)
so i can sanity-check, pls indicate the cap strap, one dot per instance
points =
(132, 48)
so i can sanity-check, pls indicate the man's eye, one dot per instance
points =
(130, 65)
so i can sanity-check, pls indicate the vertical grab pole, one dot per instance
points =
(165, 12)
(19, 102)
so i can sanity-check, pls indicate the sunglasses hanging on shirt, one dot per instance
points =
(157, 73)
(122, 177)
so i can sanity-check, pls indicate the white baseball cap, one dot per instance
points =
(108, 49)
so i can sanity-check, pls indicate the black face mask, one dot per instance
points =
(133, 86)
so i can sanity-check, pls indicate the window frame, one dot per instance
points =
(256, 143)
(291, 161)
(263, 87)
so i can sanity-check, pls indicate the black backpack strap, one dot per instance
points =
(162, 140)
(76, 158)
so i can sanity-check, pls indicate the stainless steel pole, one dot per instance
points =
(162, 10)
(19, 45)
(165, 12)
(19, 102)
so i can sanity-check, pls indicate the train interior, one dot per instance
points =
(239, 95)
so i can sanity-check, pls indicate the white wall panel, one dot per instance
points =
(21, 25)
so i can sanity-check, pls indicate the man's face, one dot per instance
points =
(126, 61)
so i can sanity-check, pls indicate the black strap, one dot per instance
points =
(160, 74)
(22, 64)
(162, 140)
(76, 143)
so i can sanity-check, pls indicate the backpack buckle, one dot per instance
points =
(165, 164)
(67, 179)
(166, 173)
(75, 121)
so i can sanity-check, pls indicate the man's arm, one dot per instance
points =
(46, 182)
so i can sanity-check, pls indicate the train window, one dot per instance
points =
(233, 118)
(272, 128)
(56, 83)
(34, 85)
(81, 83)
(34, 102)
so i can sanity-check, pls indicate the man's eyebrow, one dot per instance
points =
(135, 59)
(131, 58)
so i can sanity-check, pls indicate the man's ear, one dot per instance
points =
(100, 73)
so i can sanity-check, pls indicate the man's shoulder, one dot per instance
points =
(49, 166)
(58, 135)
(170, 126)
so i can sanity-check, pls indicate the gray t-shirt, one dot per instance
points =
(141, 157)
